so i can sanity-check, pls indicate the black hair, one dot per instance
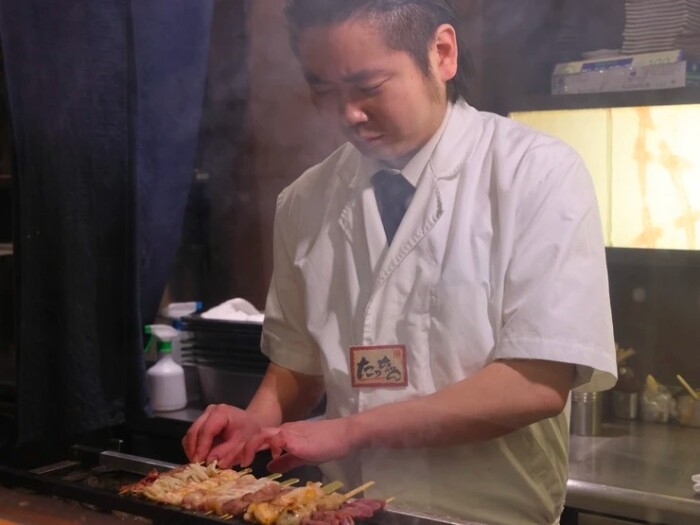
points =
(409, 26)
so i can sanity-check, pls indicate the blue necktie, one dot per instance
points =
(393, 193)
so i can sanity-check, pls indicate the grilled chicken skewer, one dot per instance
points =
(293, 507)
(228, 493)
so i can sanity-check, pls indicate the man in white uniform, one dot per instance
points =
(447, 339)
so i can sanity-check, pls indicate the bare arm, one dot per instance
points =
(503, 397)
(285, 395)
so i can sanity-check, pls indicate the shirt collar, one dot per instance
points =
(415, 167)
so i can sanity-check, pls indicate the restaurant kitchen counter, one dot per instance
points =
(638, 471)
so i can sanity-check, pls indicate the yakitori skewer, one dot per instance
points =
(331, 487)
(289, 482)
(356, 491)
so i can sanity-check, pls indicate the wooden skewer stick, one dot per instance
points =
(289, 482)
(389, 500)
(332, 486)
(274, 476)
(359, 489)
(685, 384)
(245, 471)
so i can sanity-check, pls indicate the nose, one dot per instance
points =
(352, 112)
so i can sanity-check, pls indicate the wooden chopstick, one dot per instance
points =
(685, 384)
(623, 355)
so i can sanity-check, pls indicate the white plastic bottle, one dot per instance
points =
(166, 379)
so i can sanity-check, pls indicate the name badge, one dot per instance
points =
(378, 366)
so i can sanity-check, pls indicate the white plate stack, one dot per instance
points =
(662, 25)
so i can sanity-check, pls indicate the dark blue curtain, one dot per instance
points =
(105, 99)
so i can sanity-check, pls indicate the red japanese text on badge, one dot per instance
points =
(378, 366)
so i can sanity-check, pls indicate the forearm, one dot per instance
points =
(503, 397)
(284, 395)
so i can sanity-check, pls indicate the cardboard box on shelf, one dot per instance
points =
(657, 76)
(619, 61)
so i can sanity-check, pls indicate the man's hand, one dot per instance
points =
(226, 433)
(304, 443)
(220, 434)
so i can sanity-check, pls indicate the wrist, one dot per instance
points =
(263, 417)
(358, 431)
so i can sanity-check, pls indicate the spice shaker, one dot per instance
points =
(586, 413)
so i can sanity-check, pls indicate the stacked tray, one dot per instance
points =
(224, 345)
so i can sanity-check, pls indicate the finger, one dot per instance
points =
(226, 454)
(213, 426)
(255, 444)
(189, 442)
(278, 443)
(285, 463)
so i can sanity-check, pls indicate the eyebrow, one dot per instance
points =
(352, 78)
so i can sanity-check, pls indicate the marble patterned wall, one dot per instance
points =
(645, 164)
(655, 177)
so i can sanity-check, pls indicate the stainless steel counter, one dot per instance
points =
(637, 470)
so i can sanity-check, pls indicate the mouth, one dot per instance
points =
(367, 138)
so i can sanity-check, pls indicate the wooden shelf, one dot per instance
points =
(658, 97)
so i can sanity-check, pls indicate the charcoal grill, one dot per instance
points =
(92, 476)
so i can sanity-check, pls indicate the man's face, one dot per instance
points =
(379, 97)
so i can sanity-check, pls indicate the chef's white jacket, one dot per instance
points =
(499, 256)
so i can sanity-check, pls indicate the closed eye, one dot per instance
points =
(371, 89)
(320, 90)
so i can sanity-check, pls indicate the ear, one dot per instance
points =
(444, 51)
